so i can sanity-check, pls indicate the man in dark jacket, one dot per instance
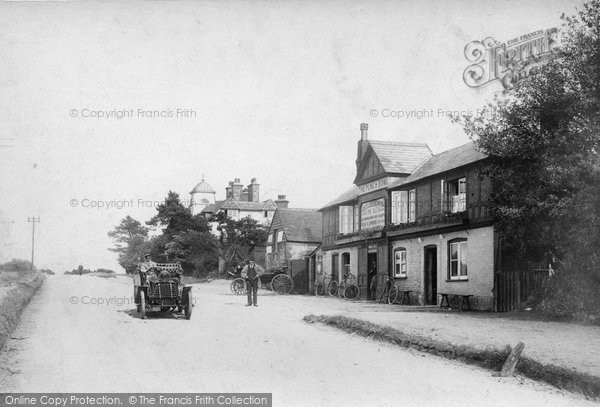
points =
(251, 273)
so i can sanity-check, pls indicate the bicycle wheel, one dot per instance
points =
(351, 292)
(239, 286)
(332, 288)
(341, 289)
(392, 295)
(319, 289)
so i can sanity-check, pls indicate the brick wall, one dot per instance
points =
(480, 265)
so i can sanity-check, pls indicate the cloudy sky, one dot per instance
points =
(274, 90)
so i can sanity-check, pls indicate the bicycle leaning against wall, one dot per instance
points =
(347, 288)
(322, 285)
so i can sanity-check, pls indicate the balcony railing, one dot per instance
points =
(440, 219)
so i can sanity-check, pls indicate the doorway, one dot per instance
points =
(335, 267)
(371, 270)
(431, 275)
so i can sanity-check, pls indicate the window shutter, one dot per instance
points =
(403, 206)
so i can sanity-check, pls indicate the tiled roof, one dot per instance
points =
(300, 225)
(230, 203)
(442, 162)
(212, 208)
(249, 206)
(400, 157)
(349, 195)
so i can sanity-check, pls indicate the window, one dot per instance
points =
(456, 195)
(269, 249)
(404, 207)
(400, 262)
(457, 255)
(346, 219)
(356, 227)
(279, 235)
(270, 238)
(266, 214)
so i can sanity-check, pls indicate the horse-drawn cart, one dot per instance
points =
(275, 280)
(160, 289)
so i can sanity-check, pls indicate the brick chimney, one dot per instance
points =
(362, 144)
(281, 202)
(244, 195)
(229, 190)
(253, 189)
(236, 188)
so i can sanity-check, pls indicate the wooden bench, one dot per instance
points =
(463, 298)
(405, 294)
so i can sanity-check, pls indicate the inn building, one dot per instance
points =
(354, 223)
(419, 218)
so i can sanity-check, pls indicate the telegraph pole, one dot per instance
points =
(33, 220)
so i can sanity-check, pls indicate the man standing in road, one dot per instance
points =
(251, 273)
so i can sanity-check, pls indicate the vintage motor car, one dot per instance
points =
(160, 289)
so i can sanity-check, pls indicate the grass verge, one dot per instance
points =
(14, 302)
(489, 358)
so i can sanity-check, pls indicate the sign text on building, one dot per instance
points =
(373, 186)
(372, 214)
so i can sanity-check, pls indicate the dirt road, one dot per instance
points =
(67, 344)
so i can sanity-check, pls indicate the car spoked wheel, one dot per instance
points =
(142, 306)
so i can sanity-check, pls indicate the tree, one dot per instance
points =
(185, 237)
(239, 238)
(543, 143)
(131, 240)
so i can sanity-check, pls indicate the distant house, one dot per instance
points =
(293, 235)
(243, 202)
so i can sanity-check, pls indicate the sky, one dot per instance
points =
(116, 104)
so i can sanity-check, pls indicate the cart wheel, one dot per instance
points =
(142, 306)
(319, 289)
(188, 305)
(351, 292)
(392, 295)
(239, 286)
(282, 284)
(332, 288)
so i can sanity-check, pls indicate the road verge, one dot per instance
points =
(490, 358)
(14, 301)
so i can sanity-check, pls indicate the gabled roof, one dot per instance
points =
(300, 225)
(347, 196)
(442, 162)
(398, 157)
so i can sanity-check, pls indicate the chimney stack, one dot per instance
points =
(244, 195)
(229, 190)
(362, 144)
(253, 189)
(236, 189)
(363, 131)
(281, 202)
